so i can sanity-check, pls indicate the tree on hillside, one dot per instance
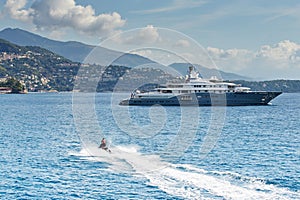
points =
(14, 84)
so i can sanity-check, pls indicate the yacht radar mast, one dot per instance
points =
(192, 74)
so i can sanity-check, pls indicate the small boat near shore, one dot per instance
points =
(196, 91)
(5, 90)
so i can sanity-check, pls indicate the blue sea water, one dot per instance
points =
(49, 142)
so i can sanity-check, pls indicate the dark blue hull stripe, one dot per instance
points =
(207, 99)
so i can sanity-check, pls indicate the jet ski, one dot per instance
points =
(105, 148)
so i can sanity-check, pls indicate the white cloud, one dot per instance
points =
(149, 34)
(182, 44)
(284, 50)
(15, 8)
(57, 14)
(231, 59)
(227, 54)
(142, 36)
(281, 60)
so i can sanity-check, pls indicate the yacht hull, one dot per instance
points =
(250, 98)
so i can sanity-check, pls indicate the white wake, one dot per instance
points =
(183, 180)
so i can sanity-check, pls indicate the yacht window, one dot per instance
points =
(166, 91)
(186, 98)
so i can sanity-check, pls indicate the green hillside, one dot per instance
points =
(37, 68)
(8, 47)
(274, 85)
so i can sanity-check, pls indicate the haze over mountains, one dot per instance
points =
(77, 52)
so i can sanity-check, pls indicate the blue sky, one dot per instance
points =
(255, 38)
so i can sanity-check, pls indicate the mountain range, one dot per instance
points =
(39, 69)
(77, 52)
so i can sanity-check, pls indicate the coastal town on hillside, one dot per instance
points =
(39, 73)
